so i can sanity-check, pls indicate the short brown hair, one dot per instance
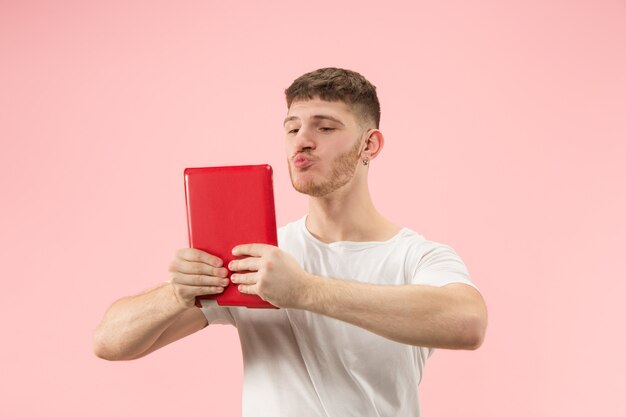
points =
(337, 84)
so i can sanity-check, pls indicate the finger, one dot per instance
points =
(247, 279)
(187, 295)
(248, 289)
(246, 264)
(251, 249)
(197, 268)
(197, 255)
(192, 292)
(198, 280)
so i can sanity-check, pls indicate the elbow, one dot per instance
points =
(102, 349)
(475, 328)
(473, 340)
(103, 354)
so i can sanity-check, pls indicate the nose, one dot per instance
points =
(303, 140)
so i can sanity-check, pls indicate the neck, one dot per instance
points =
(348, 214)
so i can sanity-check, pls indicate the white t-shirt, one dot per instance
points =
(301, 364)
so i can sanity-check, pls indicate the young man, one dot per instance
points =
(363, 301)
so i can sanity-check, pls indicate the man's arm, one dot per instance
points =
(135, 326)
(132, 326)
(453, 316)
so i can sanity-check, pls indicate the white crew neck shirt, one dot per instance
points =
(302, 364)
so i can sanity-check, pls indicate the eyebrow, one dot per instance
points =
(317, 117)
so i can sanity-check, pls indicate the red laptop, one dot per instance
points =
(228, 206)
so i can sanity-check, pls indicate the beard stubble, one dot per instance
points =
(343, 169)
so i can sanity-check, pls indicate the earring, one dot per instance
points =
(366, 162)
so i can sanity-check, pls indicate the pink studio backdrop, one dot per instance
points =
(506, 139)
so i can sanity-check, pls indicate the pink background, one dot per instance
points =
(506, 139)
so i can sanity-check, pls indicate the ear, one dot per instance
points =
(374, 143)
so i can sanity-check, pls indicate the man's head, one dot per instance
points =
(331, 130)
(337, 84)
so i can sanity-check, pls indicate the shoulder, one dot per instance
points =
(425, 250)
(433, 263)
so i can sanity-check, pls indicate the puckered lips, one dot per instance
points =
(302, 161)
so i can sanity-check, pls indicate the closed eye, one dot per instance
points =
(327, 129)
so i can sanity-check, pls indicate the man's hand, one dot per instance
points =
(274, 275)
(195, 272)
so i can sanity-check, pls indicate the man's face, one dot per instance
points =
(323, 142)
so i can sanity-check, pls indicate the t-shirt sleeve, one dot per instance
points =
(216, 314)
(440, 265)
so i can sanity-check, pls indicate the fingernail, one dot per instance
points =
(217, 263)
(220, 289)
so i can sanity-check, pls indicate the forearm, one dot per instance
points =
(132, 324)
(451, 317)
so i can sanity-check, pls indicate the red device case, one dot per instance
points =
(228, 206)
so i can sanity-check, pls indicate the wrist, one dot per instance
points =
(172, 299)
(310, 294)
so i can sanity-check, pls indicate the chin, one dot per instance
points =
(316, 189)
(302, 182)
(307, 188)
